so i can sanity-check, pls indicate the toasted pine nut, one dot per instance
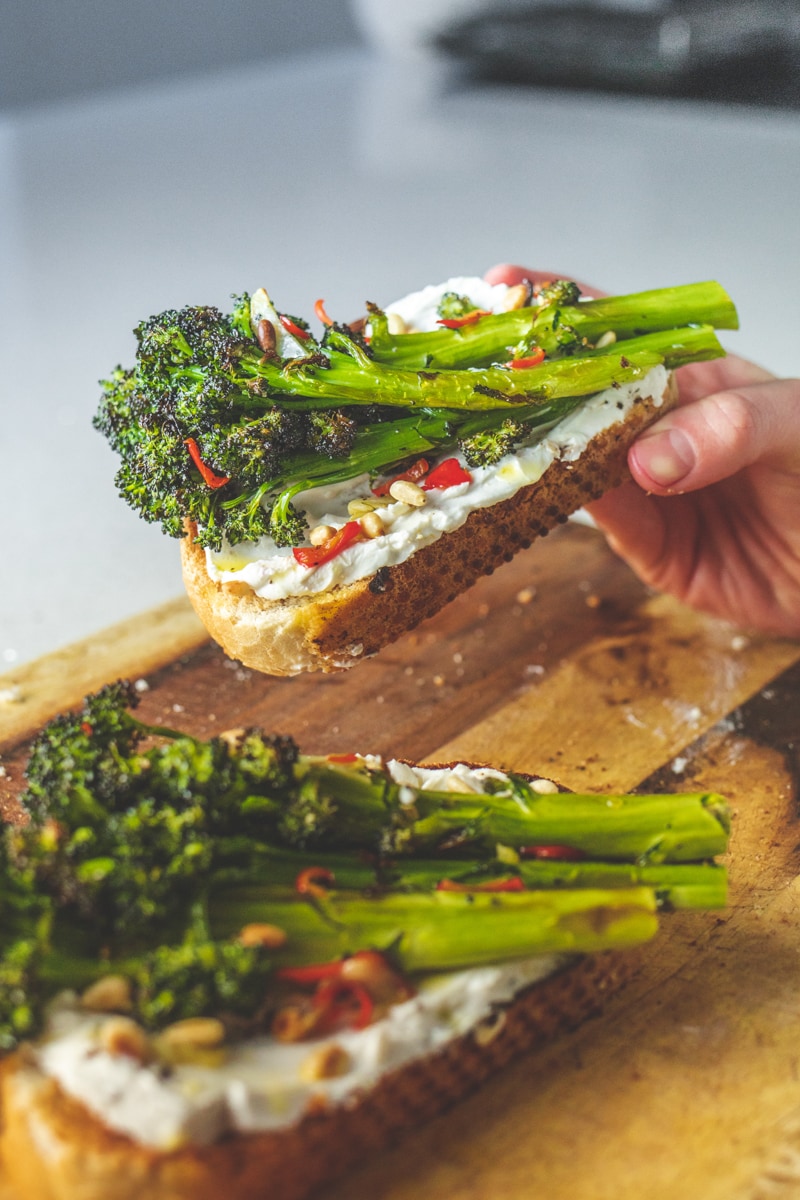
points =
(321, 534)
(372, 525)
(112, 993)
(200, 1032)
(545, 787)
(488, 1030)
(517, 296)
(407, 492)
(326, 1062)
(121, 1035)
(232, 737)
(267, 339)
(606, 339)
(259, 934)
(292, 1023)
(395, 323)
(360, 507)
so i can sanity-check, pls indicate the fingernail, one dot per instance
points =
(667, 457)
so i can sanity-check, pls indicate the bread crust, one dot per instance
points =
(53, 1148)
(335, 629)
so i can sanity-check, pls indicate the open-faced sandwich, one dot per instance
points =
(230, 969)
(332, 493)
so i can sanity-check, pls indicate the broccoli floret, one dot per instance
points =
(200, 978)
(332, 432)
(451, 306)
(559, 291)
(287, 526)
(488, 446)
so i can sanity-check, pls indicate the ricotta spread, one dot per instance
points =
(259, 1085)
(274, 574)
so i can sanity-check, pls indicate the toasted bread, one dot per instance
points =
(333, 630)
(53, 1148)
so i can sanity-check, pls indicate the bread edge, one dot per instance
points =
(53, 1148)
(338, 628)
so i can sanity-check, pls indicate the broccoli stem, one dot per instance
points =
(269, 872)
(350, 382)
(489, 339)
(363, 808)
(446, 930)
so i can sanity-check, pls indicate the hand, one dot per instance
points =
(713, 513)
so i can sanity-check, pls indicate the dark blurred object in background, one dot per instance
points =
(745, 53)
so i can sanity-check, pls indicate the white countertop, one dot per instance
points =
(343, 176)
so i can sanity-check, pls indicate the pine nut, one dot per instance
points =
(198, 1032)
(487, 1031)
(292, 1023)
(325, 1063)
(121, 1036)
(372, 525)
(233, 738)
(321, 534)
(545, 787)
(112, 993)
(407, 492)
(365, 504)
(395, 323)
(606, 339)
(270, 937)
(517, 296)
(359, 508)
(267, 338)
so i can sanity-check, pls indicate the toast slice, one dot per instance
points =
(53, 1148)
(335, 629)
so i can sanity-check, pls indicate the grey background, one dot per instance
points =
(56, 49)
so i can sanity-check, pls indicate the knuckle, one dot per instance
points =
(734, 419)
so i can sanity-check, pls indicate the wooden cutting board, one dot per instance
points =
(689, 1084)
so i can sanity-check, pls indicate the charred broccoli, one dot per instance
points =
(214, 427)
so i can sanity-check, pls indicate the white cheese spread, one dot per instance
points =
(274, 574)
(259, 1086)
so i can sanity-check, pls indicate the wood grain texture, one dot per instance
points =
(689, 1083)
(35, 691)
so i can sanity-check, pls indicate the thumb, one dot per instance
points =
(719, 435)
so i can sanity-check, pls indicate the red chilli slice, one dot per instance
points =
(416, 471)
(295, 330)
(564, 853)
(319, 309)
(209, 477)
(315, 556)
(460, 322)
(448, 474)
(514, 884)
(310, 878)
(532, 360)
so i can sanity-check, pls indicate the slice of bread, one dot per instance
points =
(335, 629)
(53, 1148)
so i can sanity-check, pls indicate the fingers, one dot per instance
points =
(717, 436)
(509, 274)
(704, 378)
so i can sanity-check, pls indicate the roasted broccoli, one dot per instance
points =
(487, 447)
(451, 306)
(215, 428)
(559, 291)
